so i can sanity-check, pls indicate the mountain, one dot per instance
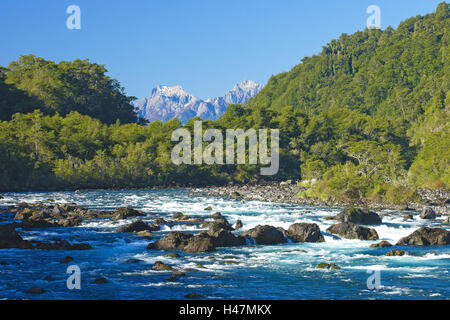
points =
(165, 103)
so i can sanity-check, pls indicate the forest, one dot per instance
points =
(365, 118)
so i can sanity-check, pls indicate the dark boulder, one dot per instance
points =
(124, 213)
(217, 215)
(70, 222)
(359, 216)
(428, 213)
(62, 245)
(138, 226)
(238, 225)
(265, 235)
(38, 224)
(305, 232)
(351, 230)
(174, 240)
(225, 238)
(200, 243)
(219, 224)
(10, 238)
(426, 236)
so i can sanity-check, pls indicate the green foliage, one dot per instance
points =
(390, 73)
(366, 118)
(63, 87)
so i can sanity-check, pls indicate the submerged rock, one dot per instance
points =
(36, 290)
(66, 259)
(62, 245)
(329, 266)
(49, 277)
(359, 216)
(426, 236)
(408, 217)
(100, 280)
(395, 252)
(161, 266)
(144, 234)
(305, 232)
(382, 244)
(265, 235)
(133, 260)
(194, 296)
(351, 230)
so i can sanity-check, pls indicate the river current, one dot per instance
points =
(285, 271)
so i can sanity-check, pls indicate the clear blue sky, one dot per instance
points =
(204, 45)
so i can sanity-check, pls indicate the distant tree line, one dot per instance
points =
(365, 118)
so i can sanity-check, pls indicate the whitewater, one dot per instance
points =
(285, 271)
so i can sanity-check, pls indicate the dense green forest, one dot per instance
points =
(34, 83)
(367, 117)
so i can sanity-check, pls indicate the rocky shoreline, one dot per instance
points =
(287, 192)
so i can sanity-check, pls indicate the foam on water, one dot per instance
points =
(281, 271)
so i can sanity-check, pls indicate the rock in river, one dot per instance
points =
(174, 240)
(305, 232)
(161, 266)
(359, 216)
(124, 213)
(351, 230)
(138, 226)
(36, 290)
(382, 244)
(200, 243)
(426, 236)
(10, 238)
(395, 252)
(428, 213)
(265, 235)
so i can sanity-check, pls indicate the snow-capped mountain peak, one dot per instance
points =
(168, 102)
